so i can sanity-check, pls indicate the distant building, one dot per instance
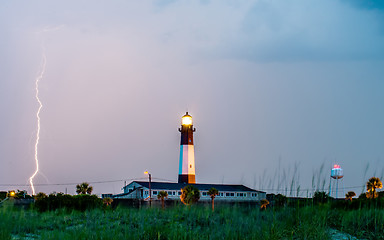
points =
(106, 195)
(233, 193)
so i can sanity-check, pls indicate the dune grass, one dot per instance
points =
(196, 222)
(173, 223)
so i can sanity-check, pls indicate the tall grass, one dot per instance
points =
(181, 222)
(298, 220)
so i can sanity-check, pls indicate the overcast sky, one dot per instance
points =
(277, 89)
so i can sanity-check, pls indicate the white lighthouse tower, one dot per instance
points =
(187, 151)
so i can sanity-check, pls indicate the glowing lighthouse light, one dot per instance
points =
(187, 152)
(186, 120)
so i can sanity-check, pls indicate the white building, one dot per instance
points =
(232, 193)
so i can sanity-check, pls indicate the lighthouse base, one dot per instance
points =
(187, 178)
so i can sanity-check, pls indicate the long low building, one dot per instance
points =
(227, 192)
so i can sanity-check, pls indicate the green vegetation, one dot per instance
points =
(350, 195)
(107, 201)
(80, 202)
(84, 188)
(373, 184)
(84, 216)
(213, 192)
(263, 204)
(161, 196)
(196, 222)
(189, 195)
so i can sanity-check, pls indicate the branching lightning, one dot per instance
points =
(38, 78)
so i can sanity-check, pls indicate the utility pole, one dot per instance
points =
(150, 190)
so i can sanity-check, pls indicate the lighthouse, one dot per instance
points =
(145, 190)
(187, 151)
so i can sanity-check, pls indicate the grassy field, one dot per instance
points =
(196, 222)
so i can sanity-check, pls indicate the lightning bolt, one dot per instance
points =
(38, 78)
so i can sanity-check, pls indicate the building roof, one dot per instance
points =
(200, 186)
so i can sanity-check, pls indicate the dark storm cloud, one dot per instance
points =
(366, 4)
(295, 80)
(310, 30)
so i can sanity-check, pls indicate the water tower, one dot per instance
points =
(336, 174)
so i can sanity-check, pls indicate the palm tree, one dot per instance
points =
(84, 188)
(189, 195)
(107, 201)
(373, 184)
(350, 195)
(213, 192)
(263, 204)
(161, 196)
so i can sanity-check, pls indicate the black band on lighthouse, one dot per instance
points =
(186, 135)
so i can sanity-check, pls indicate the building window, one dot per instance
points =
(204, 193)
(232, 194)
(154, 192)
(227, 194)
(146, 192)
(179, 193)
(169, 192)
(221, 194)
(173, 193)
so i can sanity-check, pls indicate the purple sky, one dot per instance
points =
(276, 89)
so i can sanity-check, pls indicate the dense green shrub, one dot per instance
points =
(3, 195)
(320, 198)
(280, 200)
(80, 202)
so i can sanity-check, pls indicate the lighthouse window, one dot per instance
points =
(189, 140)
(190, 166)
